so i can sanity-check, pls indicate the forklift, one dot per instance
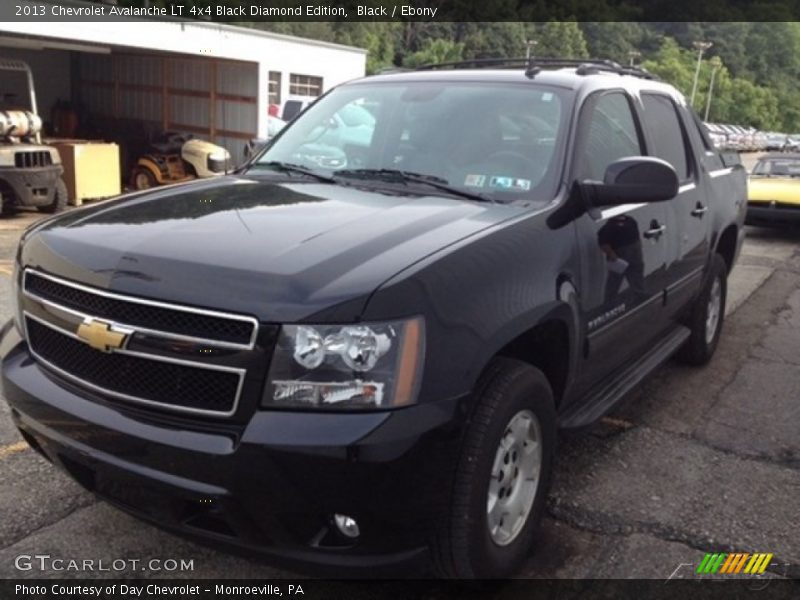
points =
(30, 172)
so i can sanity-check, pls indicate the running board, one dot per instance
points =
(593, 406)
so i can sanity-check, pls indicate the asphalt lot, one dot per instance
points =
(694, 461)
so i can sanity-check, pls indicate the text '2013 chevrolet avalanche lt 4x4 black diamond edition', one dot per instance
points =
(356, 350)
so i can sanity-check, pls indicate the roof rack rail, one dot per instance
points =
(533, 66)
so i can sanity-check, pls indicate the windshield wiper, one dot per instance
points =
(400, 176)
(293, 168)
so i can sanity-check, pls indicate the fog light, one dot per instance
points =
(347, 526)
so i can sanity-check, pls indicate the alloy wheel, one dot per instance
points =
(514, 478)
(713, 310)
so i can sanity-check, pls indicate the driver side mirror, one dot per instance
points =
(633, 180)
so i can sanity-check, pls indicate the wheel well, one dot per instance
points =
(727, 246)
(546, 347)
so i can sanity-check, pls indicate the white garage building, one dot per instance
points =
(131, 79)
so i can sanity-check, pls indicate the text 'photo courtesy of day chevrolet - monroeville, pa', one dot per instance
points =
(423, 300)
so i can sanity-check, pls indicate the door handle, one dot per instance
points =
(699, 210)
(655, 231)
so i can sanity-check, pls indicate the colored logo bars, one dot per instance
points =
(730, 564)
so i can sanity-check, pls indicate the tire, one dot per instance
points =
(6, 201)
(702, 342)
(59, 202)
(142, 179)
(465, 547)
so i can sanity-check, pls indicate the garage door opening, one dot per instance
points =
(225, 84)
(130, 98)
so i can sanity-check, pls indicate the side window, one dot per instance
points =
(666, 133)
(612, 134)
(711, 158)
(703, 132)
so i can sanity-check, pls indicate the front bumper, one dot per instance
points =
(34, 186)
(766, 214)
(269, 487)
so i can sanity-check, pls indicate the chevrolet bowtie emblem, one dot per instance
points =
(101, 335)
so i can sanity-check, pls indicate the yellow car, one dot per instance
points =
(773, 191)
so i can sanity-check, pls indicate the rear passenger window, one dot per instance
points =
(661, 120)
(702, 131)
(612, 135)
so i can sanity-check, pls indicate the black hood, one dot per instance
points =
(280, 251)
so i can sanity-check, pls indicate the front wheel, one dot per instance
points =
(503, 475)
(142, 179)
(706, 316)
(7, 207)
(59, 202)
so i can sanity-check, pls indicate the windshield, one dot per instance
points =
(498, 140)
(778, 167)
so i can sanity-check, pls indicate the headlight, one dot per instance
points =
(363, 366)
(218, 161)
(219, 155)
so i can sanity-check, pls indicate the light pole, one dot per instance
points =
(632, 56)
(529, 44)
(700, 47)
(716, 64)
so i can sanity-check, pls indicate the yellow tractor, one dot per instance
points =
(177, 157)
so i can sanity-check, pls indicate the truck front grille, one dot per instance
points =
(142, 313)
(32, 158)
(170, 357)
(140, 379)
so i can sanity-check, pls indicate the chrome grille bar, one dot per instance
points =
(144, 302)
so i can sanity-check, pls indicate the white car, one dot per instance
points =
(274, 125)
(717, 135)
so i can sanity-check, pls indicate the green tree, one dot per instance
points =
(673, 64)
(786, 92)
(753, 105)
(418, 34)
(613, 40)
(735, 100)
(562, 39)
(315, 30)
(492, 40)
(772, 52)
(435, 51)
(380, 39)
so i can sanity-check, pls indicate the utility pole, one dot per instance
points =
(716, 65)
(633, 55)
(529, 45)
(700, 47)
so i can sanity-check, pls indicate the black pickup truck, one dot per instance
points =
(356, 351)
